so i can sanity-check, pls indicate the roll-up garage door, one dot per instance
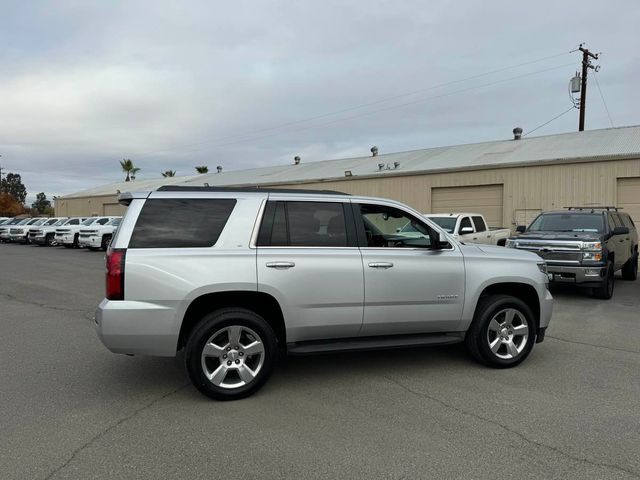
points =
(114, 209)
(629, 197)
(484, 199)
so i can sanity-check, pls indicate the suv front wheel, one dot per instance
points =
(230, 354)
(503, 331)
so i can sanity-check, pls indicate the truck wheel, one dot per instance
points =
(105, 242)
(502, 333)
(630, 269)
(48, 240)
(75, 241)
(230, 354)
(605, 290)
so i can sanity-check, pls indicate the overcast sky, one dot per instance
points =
(177, 84)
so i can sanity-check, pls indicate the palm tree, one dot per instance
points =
(202, 169)
(169, 173)
(127, 166)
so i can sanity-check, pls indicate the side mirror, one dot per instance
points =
(465, 230)
(620, 231)
(521, 228)
(442, 242)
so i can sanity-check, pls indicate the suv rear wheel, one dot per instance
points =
(503, 331)
(230, 354)
(630, 269)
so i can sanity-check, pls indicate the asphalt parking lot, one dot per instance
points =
(71, 409)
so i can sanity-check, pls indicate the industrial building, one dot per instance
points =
(509, 181)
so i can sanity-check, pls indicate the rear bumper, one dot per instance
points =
(137, 328)
(584, 276)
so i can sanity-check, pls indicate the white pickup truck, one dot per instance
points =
(470, 228)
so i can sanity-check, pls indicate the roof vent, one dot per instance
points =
(381, 166)
(219, 169)
(374, 151)
(517, 133)
(296, 160)
(396, 165)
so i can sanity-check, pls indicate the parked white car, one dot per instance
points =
(4, 228)
(470, 228)
(68, 235)
(20, 233)
(45, 234)
(98, 236)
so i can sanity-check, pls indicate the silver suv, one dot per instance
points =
(233, 277)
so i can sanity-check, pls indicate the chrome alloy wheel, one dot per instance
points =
(232, 357)
(507, 333)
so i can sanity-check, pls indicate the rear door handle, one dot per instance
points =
(281, 265)
(381, 265)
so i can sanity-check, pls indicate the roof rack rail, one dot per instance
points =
(185, 188)
(595, 207)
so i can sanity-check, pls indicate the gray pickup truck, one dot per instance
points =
(584, 246)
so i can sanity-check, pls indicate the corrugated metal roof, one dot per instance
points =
(605, 144)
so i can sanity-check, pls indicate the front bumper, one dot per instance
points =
(39, 240)
(18, 238)
(583, 275)
(137, 328)
(64, 238)
(92, 242)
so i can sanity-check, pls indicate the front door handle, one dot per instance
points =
(281, 265)
(381, 265)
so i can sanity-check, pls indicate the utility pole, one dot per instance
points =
(586, 65)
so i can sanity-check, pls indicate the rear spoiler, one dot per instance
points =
(127, 197)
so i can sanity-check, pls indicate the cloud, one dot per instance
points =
(176, 85)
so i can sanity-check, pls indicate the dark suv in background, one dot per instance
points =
(583, 246)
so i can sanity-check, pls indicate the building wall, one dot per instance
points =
(89, 206)
(532, 188)
(526, 190)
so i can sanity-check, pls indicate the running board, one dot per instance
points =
(373, 343)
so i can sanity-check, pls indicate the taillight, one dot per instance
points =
(115, 273)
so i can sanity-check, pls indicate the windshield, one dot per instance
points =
(115, 222)
(568, 222)
(60, 222)
(89, 221)
(51, 221)
(446, 223)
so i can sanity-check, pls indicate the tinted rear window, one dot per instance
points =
(181, 223)
(568, 222)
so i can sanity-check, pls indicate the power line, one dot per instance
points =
(249, 134)
(603, 100)
(548, 122)
(373, 112)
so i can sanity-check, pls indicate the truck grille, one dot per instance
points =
(35, 233)
(554, 252)
(16, 231)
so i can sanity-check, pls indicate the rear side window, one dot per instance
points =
(626, 220)
(480, 225)
(181, 223)
(464, 223)
(304, 224)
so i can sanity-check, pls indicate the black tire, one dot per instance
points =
(630, 269)
(105, 242)
(202, 333)
(48, 240)
(605, 290)
(477, 337)
(75, 241)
